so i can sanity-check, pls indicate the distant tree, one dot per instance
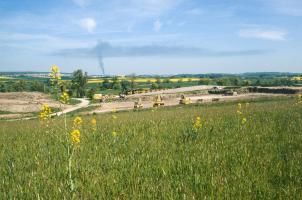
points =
(167, 80)
(117, 86)
(247, 83)
(234, 81)
(3, 87)
(203, 81)
(286, 82)
(158, 81)
(133, 84)
(106, 85)
(91, 93)
(125, 85)
(79, 81)
(37, 86)
(220, 82)
(19, 86)
(258, 82)
(154, 86)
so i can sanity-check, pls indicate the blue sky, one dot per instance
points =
(151, 36)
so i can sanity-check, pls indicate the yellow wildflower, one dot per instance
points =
(55, 73)
(54, 69)
(65, 98)
(239, 106)
(114, 116)
(75, 136)
(93, 122)
(244, 120)
(239, 112)
(77, 121)
(197, 124)
(45, 112)
(114, 134)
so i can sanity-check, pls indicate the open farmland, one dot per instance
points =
(165, 153)
(147, 80)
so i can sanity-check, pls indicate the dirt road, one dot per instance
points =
(176, 90)
(84, 103)
(128, 105)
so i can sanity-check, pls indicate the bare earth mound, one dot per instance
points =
(24, 102)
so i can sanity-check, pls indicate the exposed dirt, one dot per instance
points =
(175, 90)
(20, 103)
(128, 105)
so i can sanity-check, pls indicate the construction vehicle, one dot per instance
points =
(158, 102)
(184, 100)
(138, 104)
(215, 99)
(230, 93)
(98, 97)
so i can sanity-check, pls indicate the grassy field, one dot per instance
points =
(160, 154)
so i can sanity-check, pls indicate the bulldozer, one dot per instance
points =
(158, 101)
(184, 100)
(138, 104)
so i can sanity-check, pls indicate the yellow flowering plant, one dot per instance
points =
(75, 139)
(75, 136)
(93, 125)
(45, 112)
(114, 133)
(55, 79)
(241, 119)
(65, 98)
(197, 125)
(78, 121)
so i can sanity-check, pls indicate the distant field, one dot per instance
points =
(297, 78)
(146, 80)
(157, 154)
(5, 78)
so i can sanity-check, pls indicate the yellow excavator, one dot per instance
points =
(138, 104)
(158, 101)
(184, 100)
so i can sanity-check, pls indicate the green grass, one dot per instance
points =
(156, 155)
(74, 101)
(2, 112)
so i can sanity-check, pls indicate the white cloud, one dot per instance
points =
(263, 34)
(81, 3)
(157, 25)
(89, 24)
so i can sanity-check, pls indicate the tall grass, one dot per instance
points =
(156, 155)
